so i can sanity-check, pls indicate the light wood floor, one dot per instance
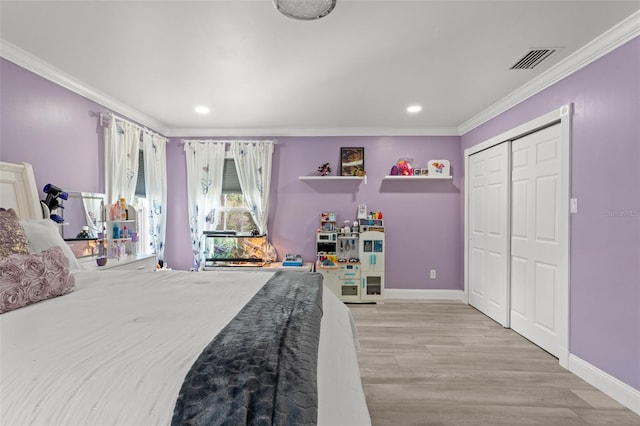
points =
(444, 363)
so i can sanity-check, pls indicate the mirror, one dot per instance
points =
(82, 209)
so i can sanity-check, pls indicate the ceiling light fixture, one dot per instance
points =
(306, 10)
(201, 109)
(414, 108)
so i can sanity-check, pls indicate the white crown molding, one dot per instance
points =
(47, 71)
(318, 132)
(424, 294)
(600, 46)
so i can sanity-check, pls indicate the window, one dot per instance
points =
(141, 207)
(234, 214)
(141, 190)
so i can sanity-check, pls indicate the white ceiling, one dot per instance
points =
(352, 72)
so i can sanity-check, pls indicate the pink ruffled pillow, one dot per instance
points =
(31, 278)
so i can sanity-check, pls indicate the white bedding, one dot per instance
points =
(117, 349)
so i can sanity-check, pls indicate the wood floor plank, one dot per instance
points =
(471, 415)
(475, 378)
(444, 363)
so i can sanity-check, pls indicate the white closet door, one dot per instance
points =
(536, 238)
(489, 232)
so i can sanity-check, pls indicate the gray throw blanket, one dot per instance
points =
(261, 369)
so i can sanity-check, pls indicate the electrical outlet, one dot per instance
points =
(432, 274)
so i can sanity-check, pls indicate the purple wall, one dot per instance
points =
(422, 218)
(605, 177)
(50, 127)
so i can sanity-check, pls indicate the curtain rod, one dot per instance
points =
(113, 116)
(184, 141)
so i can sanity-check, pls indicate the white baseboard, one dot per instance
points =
(401, 293)
(621, 392)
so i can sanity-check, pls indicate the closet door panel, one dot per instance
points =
(536, 251)
(518, 286)
(476, 262)
(489, 232)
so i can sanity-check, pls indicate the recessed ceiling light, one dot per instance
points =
(201, 109)
(414, 108)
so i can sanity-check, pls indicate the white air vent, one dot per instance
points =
(533, 58)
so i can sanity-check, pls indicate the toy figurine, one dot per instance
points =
(324, 169)
(405, 168)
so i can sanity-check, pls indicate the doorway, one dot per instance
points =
(517, 230)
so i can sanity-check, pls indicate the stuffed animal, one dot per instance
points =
(405, 168)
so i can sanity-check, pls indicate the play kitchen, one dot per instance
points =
(351, 257)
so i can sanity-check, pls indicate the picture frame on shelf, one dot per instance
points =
(352, 161)
(439, 168)
(417, 172)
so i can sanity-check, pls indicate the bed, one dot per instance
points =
(132, 348)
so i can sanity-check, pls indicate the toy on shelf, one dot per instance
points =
(324, 169)
(291, 259)
(328, 263)
(405, 168)
(328, 222)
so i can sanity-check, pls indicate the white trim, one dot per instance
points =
(465, 228)
(600, 46)
(346, 131)
(616, 389)
(429, 294)
(527, 127)
(563, 114)
(47, 71)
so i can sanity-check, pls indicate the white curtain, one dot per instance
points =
(253, 164)
(121, 150)
(205, 165)
(155, 181)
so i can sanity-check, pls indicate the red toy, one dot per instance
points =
(405, 168)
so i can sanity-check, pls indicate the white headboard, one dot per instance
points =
(18, 190)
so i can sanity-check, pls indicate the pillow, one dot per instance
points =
(30, 278)
(43, 234)
(12, 236)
